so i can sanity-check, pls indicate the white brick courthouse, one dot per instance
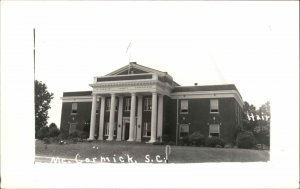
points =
(137, 103)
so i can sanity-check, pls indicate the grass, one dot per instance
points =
(141, 153)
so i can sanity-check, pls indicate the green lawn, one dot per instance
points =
(119, 152)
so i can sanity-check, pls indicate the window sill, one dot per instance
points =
(184, 112)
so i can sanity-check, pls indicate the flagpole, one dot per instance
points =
(128, 48)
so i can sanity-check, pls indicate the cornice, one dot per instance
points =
(123, 83)
(208, 94)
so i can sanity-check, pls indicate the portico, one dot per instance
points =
(135, 89)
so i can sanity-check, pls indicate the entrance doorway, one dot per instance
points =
(126, 129)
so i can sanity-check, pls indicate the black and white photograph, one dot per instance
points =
(150, 94)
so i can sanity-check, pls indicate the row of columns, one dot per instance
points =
(156, 117)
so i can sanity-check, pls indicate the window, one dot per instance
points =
(74, 108)
(147, 104)
(127, 104)
(214, 130)
(184, 130)
(97, 108)
(72, 127)
(106, 129)
(214, 106)
(184, 106)
(107, 104)
(147, 129)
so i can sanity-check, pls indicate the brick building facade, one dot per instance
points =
(147, 104)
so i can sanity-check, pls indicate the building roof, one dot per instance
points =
(132, 65)
(205, 88)
(77, 93)
(139, 69)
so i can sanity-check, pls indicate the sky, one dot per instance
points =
(195, 42)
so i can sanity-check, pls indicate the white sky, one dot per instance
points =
(207, 43)
(254, 45)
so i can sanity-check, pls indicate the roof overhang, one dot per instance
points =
(208, 94)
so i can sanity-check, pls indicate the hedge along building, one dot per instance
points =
(137, 103)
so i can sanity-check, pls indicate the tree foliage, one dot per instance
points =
(257, 121)
(246, 140)
(43, 132)
(42, 104)
(248, 109)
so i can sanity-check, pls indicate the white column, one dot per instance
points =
(153, 117)
(160, 116)
(120, 119)
(93, 118)
(139, 119)
(132, 117)
(112, 117)
(101, 119)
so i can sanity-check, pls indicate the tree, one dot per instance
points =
(257, 121)
(262, 129)
(42, 104)
(249, 111)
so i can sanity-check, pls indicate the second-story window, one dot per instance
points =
(107, 105)
(214, 106)
(127, 104)
(74, 108)
(184, 106)
(147, 104)
(97, 108)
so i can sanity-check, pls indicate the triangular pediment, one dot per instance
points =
(131, 71)
(134, 68)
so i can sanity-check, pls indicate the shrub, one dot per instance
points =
(63, 135)
(184, 141)
(53, 130)
(214, 142)
(54, 139)
(165, 138)
(196, 139)
(43, 132)
(74, 140)
(158, 143)
(246, 140)
(73, 135)
(262, 137)
(46, 140)
(82, 134)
